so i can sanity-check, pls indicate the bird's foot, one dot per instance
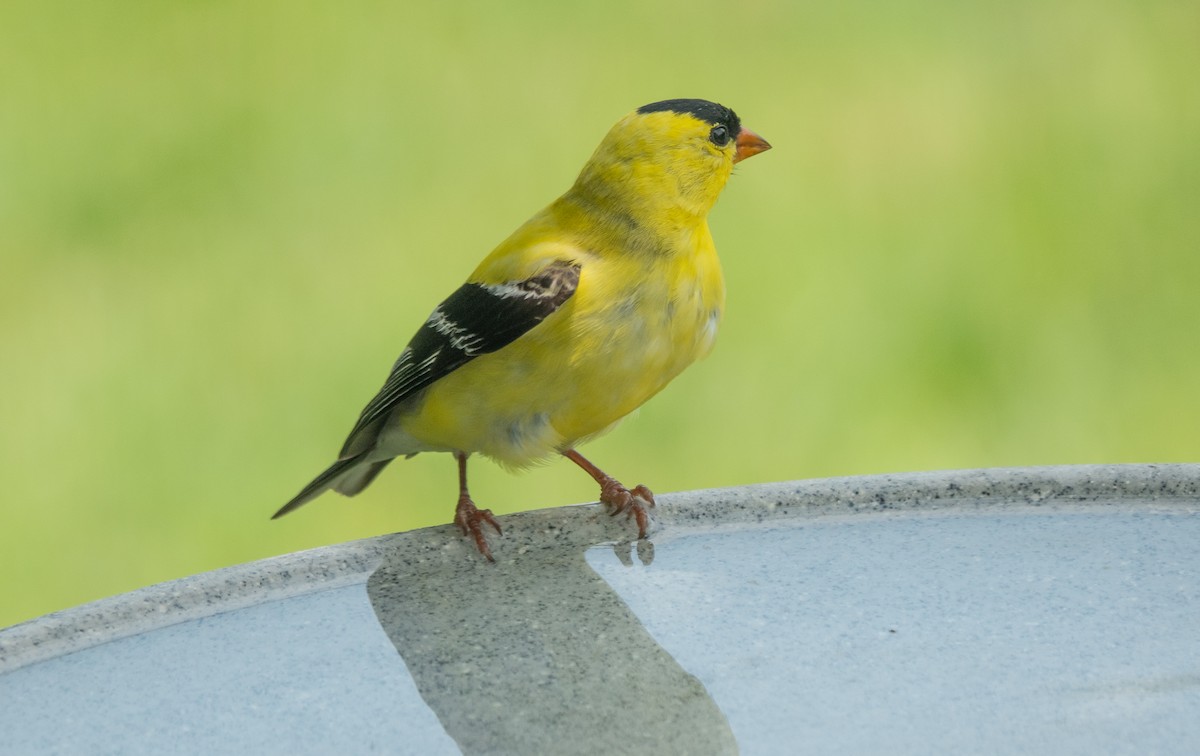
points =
(470, 518)
(634, 503)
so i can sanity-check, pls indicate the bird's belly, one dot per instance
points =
(572, 377)
(640, 357)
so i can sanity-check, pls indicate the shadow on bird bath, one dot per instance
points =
(537, 654)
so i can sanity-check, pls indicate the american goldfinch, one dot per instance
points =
(589, 309)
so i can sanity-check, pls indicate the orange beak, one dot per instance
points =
(748, 143)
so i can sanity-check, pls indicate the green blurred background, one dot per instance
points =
(976, 243)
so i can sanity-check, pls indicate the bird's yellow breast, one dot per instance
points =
(633, 324)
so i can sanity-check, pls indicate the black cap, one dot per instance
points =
(709, 112)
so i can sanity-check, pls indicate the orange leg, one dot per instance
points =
(467, 516)
(620, 499)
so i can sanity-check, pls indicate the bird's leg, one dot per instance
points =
(467, 516)
(620, 499)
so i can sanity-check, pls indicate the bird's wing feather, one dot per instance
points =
(476, 319)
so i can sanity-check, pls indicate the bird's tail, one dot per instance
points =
(347, 476)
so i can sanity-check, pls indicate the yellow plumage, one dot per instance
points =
(644, 293)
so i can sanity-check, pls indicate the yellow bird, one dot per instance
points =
(589, 309)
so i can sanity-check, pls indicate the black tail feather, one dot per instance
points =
(320, 484)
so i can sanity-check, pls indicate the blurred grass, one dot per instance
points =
(975, 244)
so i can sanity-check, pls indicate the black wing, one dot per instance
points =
(475, 320)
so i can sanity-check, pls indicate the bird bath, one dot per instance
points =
(1032, 610)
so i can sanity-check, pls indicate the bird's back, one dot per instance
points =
(635, 321)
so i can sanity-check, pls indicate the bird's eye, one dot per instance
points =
(719, 136)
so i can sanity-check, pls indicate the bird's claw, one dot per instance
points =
(469, 517)
(633, 503)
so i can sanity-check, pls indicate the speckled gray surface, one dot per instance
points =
(1035, 609)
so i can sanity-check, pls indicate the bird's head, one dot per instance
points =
(669, 158)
